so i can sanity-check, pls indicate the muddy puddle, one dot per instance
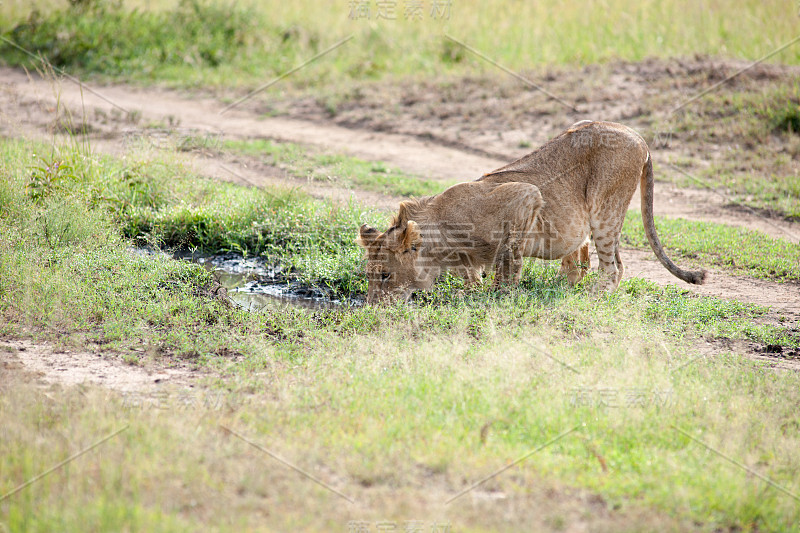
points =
(254, 284)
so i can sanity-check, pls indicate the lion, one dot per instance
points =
(586, 177)
(467, 228)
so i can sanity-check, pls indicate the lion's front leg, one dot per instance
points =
(576, 265)
(471, 275)
(508, 262)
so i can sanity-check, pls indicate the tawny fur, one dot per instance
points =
(467, 228)
(587, 177)
(583, 181)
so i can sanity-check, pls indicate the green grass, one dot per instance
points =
(64, 203)
(395, 406)
(402, 416)
(338, 169)
(758, 127)
(741, 250)
(285, 227)
(67, 264)
(192, 42)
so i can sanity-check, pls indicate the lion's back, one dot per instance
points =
(580, 144)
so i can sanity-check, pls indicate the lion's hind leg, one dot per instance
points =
(620, 266)
(606, 237)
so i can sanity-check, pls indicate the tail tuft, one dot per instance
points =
(698, 277)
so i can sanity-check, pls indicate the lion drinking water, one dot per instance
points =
(544, 205)
(466, 228)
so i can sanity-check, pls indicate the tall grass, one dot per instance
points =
(403, 417)
(218, 43)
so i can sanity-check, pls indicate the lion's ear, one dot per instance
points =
(366, 235)
(412, 237)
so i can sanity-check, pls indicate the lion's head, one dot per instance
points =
(393, 269)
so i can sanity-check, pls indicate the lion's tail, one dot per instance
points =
(694, 277)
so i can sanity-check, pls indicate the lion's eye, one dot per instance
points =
(385, 275)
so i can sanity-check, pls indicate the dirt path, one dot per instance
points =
(203, 114)
(784, 297)
(29, 105)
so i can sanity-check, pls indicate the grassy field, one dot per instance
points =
(738, 249)
(468, 380)
(218, 44)
(401, 430)
(757, 123)
(632, 411)
(345, 171)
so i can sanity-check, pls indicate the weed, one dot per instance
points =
(47, 176)
(199, 143)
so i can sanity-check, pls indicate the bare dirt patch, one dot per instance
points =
(47, 364)
(784, 297)
(774, 357)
